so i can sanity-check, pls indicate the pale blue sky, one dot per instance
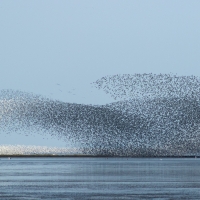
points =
(73, 43)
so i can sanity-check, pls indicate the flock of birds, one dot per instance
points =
(155, 115)
(127, 86)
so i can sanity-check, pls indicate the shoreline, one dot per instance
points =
(89, 156)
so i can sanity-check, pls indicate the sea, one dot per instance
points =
(95, 178)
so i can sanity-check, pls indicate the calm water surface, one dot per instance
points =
(99, 178)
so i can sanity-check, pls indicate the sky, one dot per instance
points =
(57, 48)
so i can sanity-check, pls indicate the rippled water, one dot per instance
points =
(99, 178)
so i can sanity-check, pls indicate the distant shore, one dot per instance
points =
(89, 156)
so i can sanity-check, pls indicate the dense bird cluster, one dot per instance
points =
(127, 86)
(157, 115)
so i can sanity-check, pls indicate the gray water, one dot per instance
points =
(99, 178)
